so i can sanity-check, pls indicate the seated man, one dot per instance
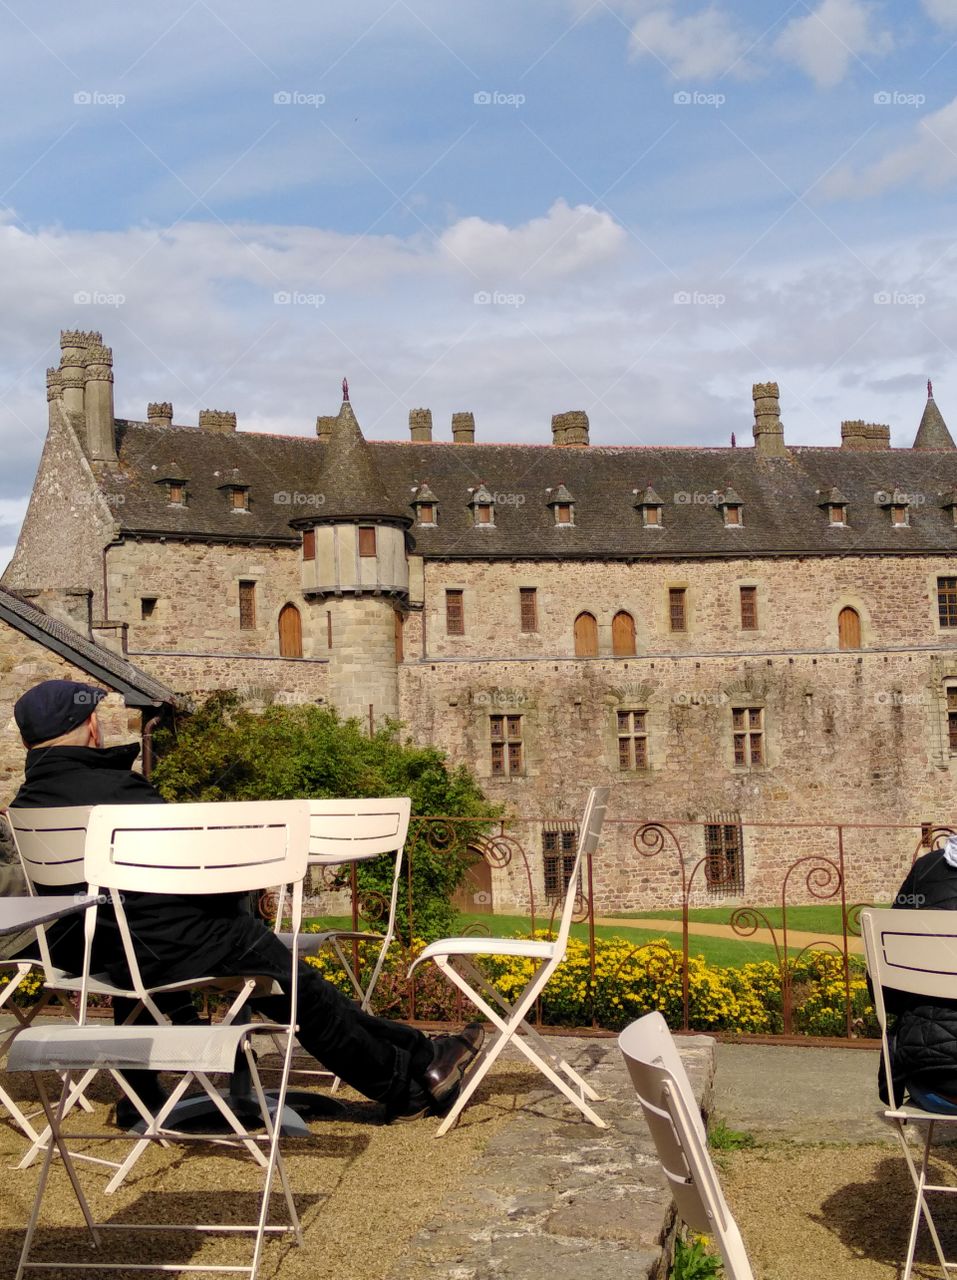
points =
(178, 938)
(924, 1040)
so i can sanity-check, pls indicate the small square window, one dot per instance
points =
(426, 513)
(177, 493)
(651, 517)
(732, 516)
(836, 514)
(240, 499)
(747, 725)
(563, 513)
(147, 607)
(899, 516)
(505, 733)
(483, 513)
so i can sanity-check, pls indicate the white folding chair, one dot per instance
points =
(454, 957)
(674, 1120)
(342, 832)
(916, 952)
(176, 849)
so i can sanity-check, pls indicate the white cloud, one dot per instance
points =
(943, 12)
(564, 242)
(698, 47)
(825, 42)
(928, 158)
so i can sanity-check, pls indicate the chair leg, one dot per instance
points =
(921, 1207)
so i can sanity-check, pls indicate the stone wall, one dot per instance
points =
(24, 663)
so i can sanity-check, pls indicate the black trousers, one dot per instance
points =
(376, 1056)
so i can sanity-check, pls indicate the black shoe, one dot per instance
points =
(127, 1116)
(451, 1055)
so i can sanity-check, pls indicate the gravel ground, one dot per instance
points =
(363, 1190)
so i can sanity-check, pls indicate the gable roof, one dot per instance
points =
(291, 479)
(105, 666)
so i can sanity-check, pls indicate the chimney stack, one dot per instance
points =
(73, 347)
(768, 428)
(324, 425)
(98, 403)
(420, 424)
(221, 420)
(865, 435)
(54, 389)
(463, 428)
(159, 413)
(570, 429)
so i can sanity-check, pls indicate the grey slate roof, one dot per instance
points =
(291, 479)
(932, 432)
(105, 666)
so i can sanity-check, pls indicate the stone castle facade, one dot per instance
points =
(738, 640)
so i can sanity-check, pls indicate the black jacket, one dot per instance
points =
(175, 937)
(925, 1049)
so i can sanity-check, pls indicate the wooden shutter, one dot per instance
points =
(309, 544)
(366, 541)
(623, 635)
(529, 609)
(290, 632)
(586, 636)
(676, 608)
(749, 608)
(247, 606)
(849, 629)
(454, 612)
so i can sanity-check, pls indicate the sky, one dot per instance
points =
(633, 207)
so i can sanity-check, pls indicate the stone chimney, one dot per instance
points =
(159, 413)
(420, 424)
(768, 428)
(864, 435)
(54, 389)
(73, 347)
(463, 428)
(98, 403)
(221, 420)
(570, 428)
(325, 422)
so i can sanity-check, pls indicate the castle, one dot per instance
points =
(762, 634)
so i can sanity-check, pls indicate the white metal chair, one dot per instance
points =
(912, 951)
(454, 957)
(674, 1120)
(175, 849)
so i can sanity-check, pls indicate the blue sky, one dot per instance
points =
(664, 200)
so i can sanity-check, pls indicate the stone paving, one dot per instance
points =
(554, 1196)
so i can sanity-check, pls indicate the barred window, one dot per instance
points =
(748, 728)
(947, 601)
(749, 608)
(952, 718)
(724, 856)
(247, 606)
(505, 733)
(632, 740)
(528, 599)
(559, 845)
(677, 613)
(455, 612)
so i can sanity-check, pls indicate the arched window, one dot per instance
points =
(623, 635)
(586, 636)
(290, 632)
(848, 629)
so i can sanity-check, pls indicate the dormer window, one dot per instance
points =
(171, 476)
(562, 504)
(483, 508)
(732, 509)
(650, 506)
(950, 504)
(236, 487)
(898, 504)
(899, 515)
(833, 502)
(426, 505)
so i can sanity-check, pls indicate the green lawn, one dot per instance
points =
(727, 952)
(824, 918)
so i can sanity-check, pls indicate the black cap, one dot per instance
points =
(53, 708)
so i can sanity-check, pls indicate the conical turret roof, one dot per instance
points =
(932, 432)
(350, 482)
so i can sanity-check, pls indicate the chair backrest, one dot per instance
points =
(50, 843)
(675, 1123)
(588, 832)
(342, 831)
(179, 849)
(908, 950)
